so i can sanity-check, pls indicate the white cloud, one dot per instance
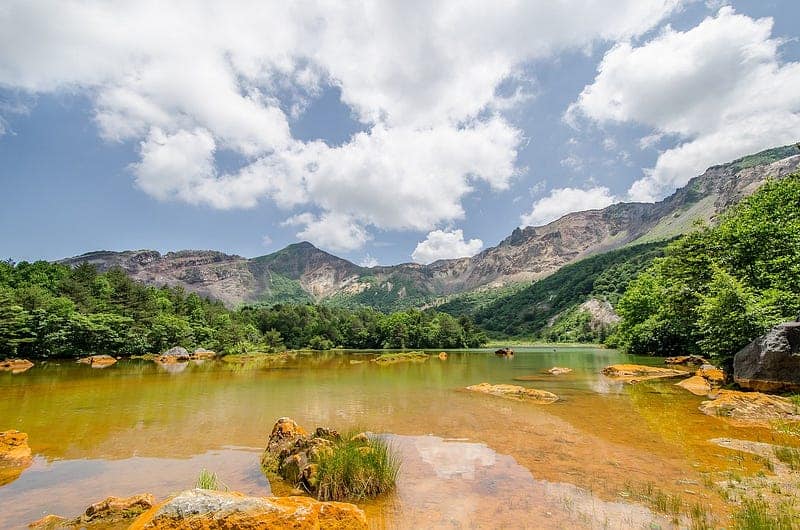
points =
(369, 261)
(720, 87)
(565, 200)
(442, 244)
(426, 79)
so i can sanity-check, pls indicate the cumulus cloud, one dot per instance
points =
(565, 200)
(720, 87)
(428, 80)
(445, 244)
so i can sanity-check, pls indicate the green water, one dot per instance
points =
(137, 427)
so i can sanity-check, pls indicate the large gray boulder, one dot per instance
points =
(771, 362)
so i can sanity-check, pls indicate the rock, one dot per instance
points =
(361, 438)
(443, 355)
(111, 512)
(514, 391)
(50, 522)
(201, 354)
(504, 352)
(750, 407)
(696, 385)
(212, 510)
(771, 362)
(634, 373)
(401, 357)
(174, 355)
(98, 361)
(15, 455)
(685, 360)
(712, 374)
(558, 370)
(16, 366)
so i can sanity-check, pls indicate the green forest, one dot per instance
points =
(51, 310)
(719, 287)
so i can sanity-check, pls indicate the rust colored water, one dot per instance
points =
(470, 461)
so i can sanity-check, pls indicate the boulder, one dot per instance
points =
(634, 373)
(201, 354)
(559, 370)
(504, 352)
(16, 366)
(750, 407)
(685, 360)
(98, 361)
(15, 455)
(113, 512)
(712, 374)
(515, 392)
(697, 385)
(443, 355)
(174, 355)
(211, 510)
(771, 362)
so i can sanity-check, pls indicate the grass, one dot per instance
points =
(755, 514)
(356, 469)
(209, 481)
(401, 357)
(789, 456)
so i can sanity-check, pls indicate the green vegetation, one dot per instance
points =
(396, 293)
(756, 514)
(209, 481)
(356, 468)
(469, 303)
(528, 312)
(718, 288)
(52, 310)
(402, 357)
(789, 456)
(765, 157)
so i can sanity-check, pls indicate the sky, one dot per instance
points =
(383, 132)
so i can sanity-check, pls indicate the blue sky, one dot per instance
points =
(424, 134)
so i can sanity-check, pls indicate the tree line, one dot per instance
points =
(52, 310)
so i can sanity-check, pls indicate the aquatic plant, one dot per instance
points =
(209, 481)
(356, 468)
(400, 357)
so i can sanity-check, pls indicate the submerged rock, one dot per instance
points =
(110, 512)
(98, 361)
(201, 354)
(211, 510)
(750, 407)
(514, 391)
(443, 355)
(504, 352)
(771, 362)
(402, 357)
(685, 360)
(634, 373)
(15, 455)
(16, 366)
(697, 385)
(559, 370)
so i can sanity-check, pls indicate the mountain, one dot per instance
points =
(302, 272)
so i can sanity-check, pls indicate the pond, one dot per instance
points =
(469, 460)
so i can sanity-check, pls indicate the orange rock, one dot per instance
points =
(15, 455)
(286, 428)
(634, 373)
(696, 385)
(212, 510)
(111, 512)
(558, 370)
(514, 391)
(750, 407)
(98, 361)
(443, 355)
(712, 374)
(16, 366)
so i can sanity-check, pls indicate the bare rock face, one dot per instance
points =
(771, 362)
(216, 510)
(516, 392)
(15, 455)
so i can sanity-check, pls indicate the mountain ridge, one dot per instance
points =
(304, 273)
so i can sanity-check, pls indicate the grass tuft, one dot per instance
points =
(209, 481)
(789, 456)
(356, 469)
(755, 514)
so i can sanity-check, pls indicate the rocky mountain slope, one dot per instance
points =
(302, 272)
